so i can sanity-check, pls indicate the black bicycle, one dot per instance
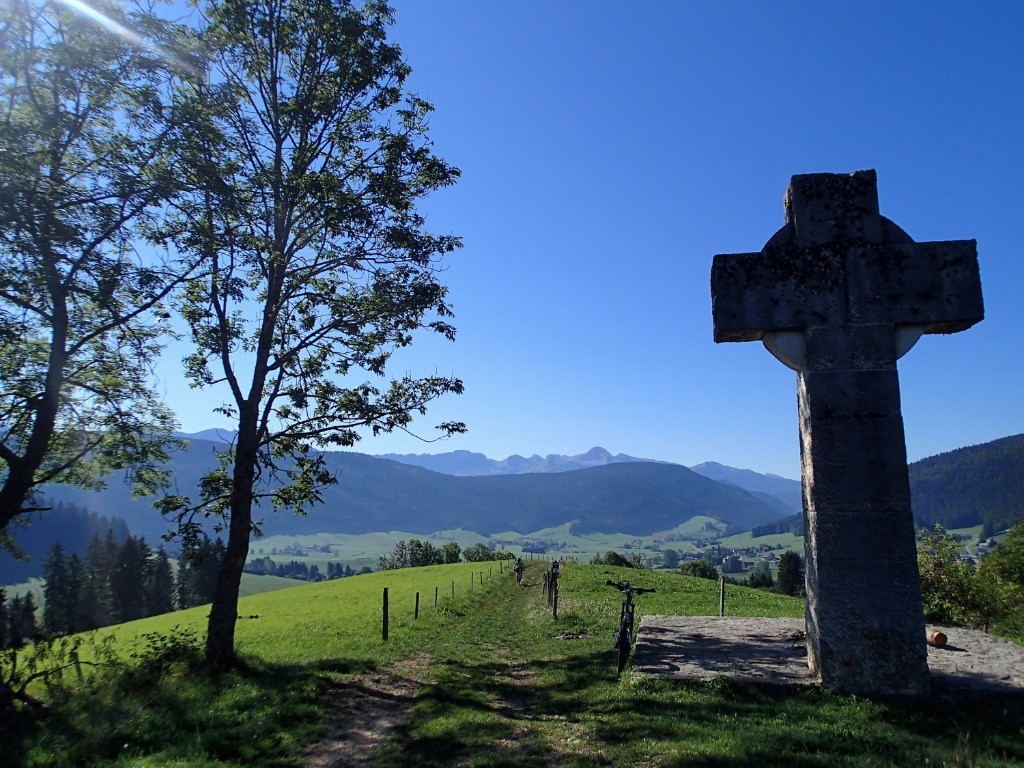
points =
(624, 637)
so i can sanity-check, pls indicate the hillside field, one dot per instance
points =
(485, 679)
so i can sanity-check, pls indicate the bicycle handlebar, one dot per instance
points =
(626, 587)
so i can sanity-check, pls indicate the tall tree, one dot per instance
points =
(85, 130)
(311, 161)
(58, 595)
(160, 585)
(790, 580)
(4, 622)
(95, 598)
(128, 580)
(197, 571)
(76, 587)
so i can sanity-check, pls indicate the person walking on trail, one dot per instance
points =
(519, 568)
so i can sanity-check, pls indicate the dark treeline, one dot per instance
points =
(17, 620)
(68, 524)
(265, 566)
(111, 583)
(793, 524)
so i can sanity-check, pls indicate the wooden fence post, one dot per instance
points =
(554, 591)
(435, 597)
(416, 612)
(721, 597)
(453, 590)
(384, 632)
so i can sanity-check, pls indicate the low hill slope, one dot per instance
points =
(970, 486)
(979, 484)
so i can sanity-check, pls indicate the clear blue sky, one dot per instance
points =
(609, 150)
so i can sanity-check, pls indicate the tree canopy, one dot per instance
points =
(308, 159)
(86, 130)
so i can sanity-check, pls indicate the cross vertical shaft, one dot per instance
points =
(838, 294)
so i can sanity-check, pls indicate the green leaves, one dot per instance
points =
(85, 172)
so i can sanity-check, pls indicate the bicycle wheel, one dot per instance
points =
(622, 643)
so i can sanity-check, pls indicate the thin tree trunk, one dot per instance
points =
(220, 634)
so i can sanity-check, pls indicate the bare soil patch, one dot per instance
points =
(366, 713)
(774, 652)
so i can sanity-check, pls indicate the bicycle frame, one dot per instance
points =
(624, 637)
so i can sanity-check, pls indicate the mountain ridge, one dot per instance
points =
(375, 494)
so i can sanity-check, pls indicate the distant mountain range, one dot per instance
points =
(468, 464)
(594, 491)
(377, 494)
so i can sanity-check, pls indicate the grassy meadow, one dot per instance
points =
(484, 679)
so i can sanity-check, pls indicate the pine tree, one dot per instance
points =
(97, 603)
(14, 638)
(57, 593)
(197, 572)
(791, 574)
(22, 620)
(4, 631)
(128, 579)
(160, 585)
(76, 579)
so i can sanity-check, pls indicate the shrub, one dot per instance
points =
(612, 557)
(702, 569)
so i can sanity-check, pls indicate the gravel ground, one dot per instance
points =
(774, 652)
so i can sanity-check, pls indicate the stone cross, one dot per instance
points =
(839, 294)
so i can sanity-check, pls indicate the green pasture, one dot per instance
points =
(330, 620)
(490, 680)
(356, 551)
(745, 540)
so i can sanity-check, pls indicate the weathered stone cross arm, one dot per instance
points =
(838, 262)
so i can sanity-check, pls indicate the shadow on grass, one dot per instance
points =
(260, 715)
(571, 711)
(743, 724)
(495, 712)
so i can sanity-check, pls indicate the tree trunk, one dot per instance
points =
(220, 634)
(21, 470)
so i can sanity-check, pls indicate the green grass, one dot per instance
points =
(500, 683)
(745, 540)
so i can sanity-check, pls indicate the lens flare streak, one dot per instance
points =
(122, 31)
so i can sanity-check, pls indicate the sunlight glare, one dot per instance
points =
(127, 34)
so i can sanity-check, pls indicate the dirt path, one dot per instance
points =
(376, 709)
(367, 713)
